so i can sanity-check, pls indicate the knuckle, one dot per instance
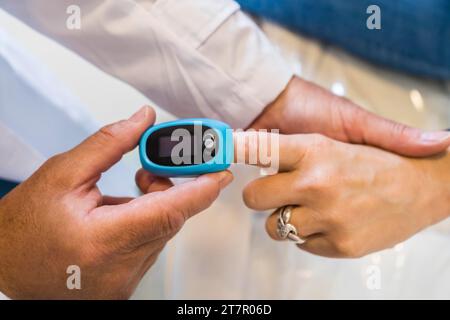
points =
(51, 168)
(399, 129)
(318, 181)
(214, 192)
(111, 132)
(52, 161)
(348, 247)
(335, 220)
(171, 220)
(271, 227)
(108, 132)
(249, 197)
(320, 142)
(303, 232)
(299, 184)
(173, 223)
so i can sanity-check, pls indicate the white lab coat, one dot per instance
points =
(191, 57)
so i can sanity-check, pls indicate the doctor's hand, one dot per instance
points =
(351, 200)
(307, 108)
(58, 218)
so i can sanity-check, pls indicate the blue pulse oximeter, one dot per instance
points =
(188, 147)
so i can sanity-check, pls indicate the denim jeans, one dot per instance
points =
(414, 34)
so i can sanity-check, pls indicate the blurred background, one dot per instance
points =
(415, 101)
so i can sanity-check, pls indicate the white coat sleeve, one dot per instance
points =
(191, 57)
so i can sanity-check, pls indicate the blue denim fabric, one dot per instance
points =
(6, 187)
(414, 35)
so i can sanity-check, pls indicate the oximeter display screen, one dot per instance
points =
(182, 145)
(166, 145)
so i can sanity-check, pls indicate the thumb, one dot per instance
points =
(364, 127)
(161, 214)
(106, 147)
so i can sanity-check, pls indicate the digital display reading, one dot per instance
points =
(182, 145)
(166, 145)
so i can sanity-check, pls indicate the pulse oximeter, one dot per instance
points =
(188, 147)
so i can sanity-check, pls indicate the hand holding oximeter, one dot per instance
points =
(188, 147)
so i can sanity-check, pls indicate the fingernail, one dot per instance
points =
(225, 179)
(437, 136)
(140, 115)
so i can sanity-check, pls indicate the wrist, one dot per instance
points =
(436, 171)
(274, 116)
(442, 173)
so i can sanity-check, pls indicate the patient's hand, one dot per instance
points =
(307, 108)
(352, 200)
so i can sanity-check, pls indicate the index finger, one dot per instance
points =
(270, 150)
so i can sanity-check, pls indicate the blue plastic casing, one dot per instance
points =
(222, 160)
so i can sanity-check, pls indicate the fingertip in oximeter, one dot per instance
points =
(188, 147)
